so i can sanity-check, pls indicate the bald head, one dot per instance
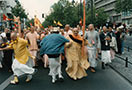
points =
(67, 27)
(104, 29)
(13, 36)
(6, 30)
(32, 29)
(91, 27)
(75, 31)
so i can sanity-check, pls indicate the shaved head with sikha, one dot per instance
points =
(75, 31)
(91, 27)
(13, 36)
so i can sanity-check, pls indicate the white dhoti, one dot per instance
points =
(33, 53)
(92, 57)
(21, 69)
(112, 53)
(55, 66)
(106, 57)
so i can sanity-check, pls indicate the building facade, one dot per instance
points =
(109, 7)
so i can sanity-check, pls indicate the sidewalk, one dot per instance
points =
(119, 65)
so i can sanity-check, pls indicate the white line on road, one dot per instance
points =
(6, 83)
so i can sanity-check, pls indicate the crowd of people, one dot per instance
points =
(21, 49)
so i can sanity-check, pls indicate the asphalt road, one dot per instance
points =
(101, 80)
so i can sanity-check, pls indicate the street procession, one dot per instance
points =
(76, 44)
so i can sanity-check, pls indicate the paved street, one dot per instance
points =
(101, 80)
(119, 65)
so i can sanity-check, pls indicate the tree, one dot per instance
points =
(63, 11)
(100, 17)
(68, 13)
(123, 5)
(18, 10)
(31, 21)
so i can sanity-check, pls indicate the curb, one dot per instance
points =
(120, 74)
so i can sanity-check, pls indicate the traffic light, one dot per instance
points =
(43, 15)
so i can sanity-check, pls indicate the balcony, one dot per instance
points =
(97, 1)
(109, 9)
(105, 4)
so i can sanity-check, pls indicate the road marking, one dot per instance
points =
(6, 83)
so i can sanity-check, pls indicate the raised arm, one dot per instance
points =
(6, 48)
(17, 19)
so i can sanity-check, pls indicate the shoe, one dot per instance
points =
(92, 70)
(103, 65)
(29, 78)
(106, 64)
(35, 71)
(15, 81)
(61, 78)
(53, 79)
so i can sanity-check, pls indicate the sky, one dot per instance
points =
(37, 7)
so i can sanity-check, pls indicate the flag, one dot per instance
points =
(59, 24)
(55, 22)
(37, 23)
(15, 25)
(80, 22)
(31, 24)
(5, 17)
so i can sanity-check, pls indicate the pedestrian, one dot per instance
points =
(8, 54)
(3, 34)
(76, 63)
(113, 43)
(53, 46)
(119, 41)
(105, 39)
(32, 37)
(22, 61)
(93, 38)
(45, 56)
(67, 30)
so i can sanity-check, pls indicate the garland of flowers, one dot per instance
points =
(9, 43)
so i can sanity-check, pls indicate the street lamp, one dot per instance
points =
(42, 15)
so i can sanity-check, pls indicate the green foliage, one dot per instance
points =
(30, 21)
(63, 11)
(18, 10)
(123, 5)
(67, 13)
(101, 17)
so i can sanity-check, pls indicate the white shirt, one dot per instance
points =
(3, 34)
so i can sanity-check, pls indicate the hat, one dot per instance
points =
(55, 29)
(121, 27)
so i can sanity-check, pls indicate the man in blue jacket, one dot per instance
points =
(53, 46)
